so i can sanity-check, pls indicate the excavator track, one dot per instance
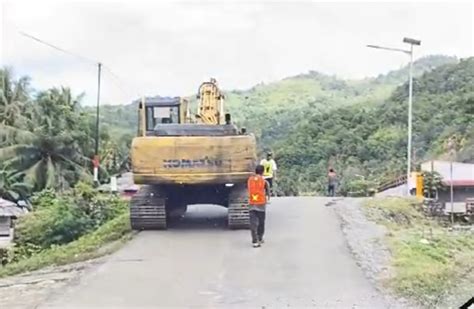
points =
(148, 209)
(238, 212)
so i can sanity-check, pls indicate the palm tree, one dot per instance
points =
(51, 157)
(11, 186)
(14, 98)
(115, 158)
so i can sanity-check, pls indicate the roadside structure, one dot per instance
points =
(122, 185)
(8, 212)
(462, 181)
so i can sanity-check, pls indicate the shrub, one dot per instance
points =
(59, 219)
(44, 199)
(58, 223)
(82, 249)
(98, 207)
(358, 187)
(102, 208)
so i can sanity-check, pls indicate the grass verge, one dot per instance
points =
(84, 248)
(429, 260)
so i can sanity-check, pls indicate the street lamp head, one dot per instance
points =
(411, 41)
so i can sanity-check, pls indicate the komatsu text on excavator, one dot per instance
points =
(180, 159)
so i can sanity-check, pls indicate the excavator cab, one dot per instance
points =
(157, 111)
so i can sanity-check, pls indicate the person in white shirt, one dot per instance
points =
(269, 169)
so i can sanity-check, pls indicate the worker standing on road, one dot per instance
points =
(259, 194)
(332, 182)
(269, 170)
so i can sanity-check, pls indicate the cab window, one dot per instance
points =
(161, 115)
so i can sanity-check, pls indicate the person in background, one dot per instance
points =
(269, 170)
(332, 182)
(259, 194)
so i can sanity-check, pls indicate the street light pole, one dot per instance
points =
(410, 116)
(410, 99)
(96, 154)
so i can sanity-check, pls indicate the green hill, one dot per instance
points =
(314, 120)
(420, 66)
(311, 90)
(369, 141)
(269, 110)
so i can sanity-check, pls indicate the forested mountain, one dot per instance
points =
(117, 119)
(369, 141)
(420, 66)
(269, 109)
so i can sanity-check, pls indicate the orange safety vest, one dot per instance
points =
(256, 189)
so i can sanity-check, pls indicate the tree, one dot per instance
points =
(14, 99)
(11, 186)
(50, 156)
(432, 183)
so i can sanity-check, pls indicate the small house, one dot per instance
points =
(8, 212)
(461, 178)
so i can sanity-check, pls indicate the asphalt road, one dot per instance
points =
(199, 263)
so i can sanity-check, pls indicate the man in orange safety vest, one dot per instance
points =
(259, 194)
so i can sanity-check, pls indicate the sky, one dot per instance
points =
(169, 48)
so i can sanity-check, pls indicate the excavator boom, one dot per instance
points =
(211, 104)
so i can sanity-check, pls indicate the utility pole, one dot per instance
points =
(97, 120)
(452, 150)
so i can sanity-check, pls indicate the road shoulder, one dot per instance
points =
(366, 241)
(29, 290)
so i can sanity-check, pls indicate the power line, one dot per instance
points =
(94, 62)
(118, 81)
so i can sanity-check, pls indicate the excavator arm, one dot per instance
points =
(211, 104)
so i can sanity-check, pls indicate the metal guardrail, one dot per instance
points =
(393, 183)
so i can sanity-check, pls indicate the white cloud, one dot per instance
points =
(170, 48)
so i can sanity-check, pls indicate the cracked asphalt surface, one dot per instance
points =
(305, 262)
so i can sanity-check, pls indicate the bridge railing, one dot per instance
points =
(398, 181)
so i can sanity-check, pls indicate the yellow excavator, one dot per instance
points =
(180, 159)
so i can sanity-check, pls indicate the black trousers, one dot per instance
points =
(270, 182)
(257, 225)
(331, 190)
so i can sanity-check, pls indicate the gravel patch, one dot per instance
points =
(366, 240)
